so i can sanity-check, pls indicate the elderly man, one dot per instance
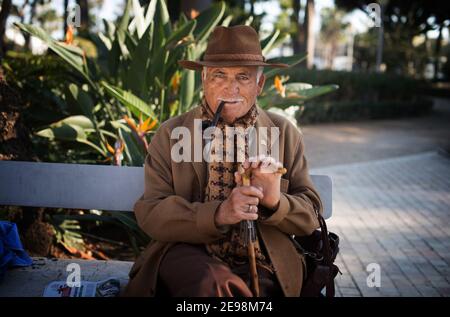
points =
(193, 210)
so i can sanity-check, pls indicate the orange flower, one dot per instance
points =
(279, 86)
(110, 148)
(194, 13)
(130, 122)
(147, 125)
(175, 82)
(143, 127)
(69, 35)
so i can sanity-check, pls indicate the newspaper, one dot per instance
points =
(105, 288)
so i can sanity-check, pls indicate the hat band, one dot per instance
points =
(234, 57)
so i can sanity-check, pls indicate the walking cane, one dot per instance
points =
(248, 232)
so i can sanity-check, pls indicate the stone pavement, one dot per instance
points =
(394, 212)
(350, 142)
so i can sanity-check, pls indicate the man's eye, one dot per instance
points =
(243, 78)
(219, 75)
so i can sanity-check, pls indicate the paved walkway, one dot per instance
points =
(350, 142)
(396, 213)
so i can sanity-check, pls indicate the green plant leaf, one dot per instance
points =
(267, 43)
(81, 121)
(135, 76)
(150, 14)
(293, 97)
(64, 132)
(135, 150)
(162, 28)
(70, 129)
(181, 33)
(71, 54)
(139, 21)
(82, 99)
(208, 20)
(68, 132)
(129, 100)
(227, 20)
(125, 19)
(187, 85)
(290, 60)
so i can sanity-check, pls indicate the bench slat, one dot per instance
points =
(84, 186)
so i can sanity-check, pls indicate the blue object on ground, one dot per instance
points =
(12, 253)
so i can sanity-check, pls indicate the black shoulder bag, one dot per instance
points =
(320, 250)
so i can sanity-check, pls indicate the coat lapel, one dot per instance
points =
(199, 167)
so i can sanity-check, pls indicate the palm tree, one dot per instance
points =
(303, 37)
(4, 13)
(332, 32)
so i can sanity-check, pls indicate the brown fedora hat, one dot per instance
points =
(231, 46)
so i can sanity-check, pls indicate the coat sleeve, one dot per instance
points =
(165, 216)
(296, 212)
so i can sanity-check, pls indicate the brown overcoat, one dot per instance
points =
(171, 208)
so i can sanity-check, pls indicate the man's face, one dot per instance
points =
(237, 85)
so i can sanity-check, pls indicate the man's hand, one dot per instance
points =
(266, 177)
(236, 208)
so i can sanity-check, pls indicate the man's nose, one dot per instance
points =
(232, 86)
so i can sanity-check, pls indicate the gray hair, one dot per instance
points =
(258, 72)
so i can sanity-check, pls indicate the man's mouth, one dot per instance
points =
(231, 100)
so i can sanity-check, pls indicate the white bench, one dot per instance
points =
(81, 186)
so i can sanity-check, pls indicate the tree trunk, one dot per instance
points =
(309, 33)
(66, 15)
(380, 45)
(84, 15)
(21, 12)
(6, 8)
(437, 52)
(32, 14)
(298, 38)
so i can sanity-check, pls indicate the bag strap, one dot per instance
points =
(330, 290)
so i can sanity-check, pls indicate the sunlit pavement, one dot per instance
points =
(394, 213)
(350, 142)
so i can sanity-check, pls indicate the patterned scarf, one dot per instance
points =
(221, 168)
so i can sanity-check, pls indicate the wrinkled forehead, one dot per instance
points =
(249, 70)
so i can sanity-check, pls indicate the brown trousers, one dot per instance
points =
(187, 270)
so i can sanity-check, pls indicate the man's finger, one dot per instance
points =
(268, 164)
(251, 191)
(238, 178)
(255, 161)
(249, 200)
(253, 209)
(248, 216)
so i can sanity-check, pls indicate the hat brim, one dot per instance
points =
(198, 65)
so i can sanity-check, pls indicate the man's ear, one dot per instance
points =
(202, 75)
(262, 80)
